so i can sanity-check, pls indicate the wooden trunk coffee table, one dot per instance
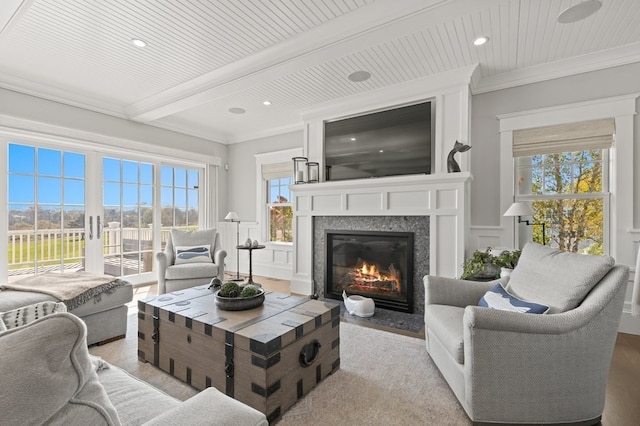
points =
(267, 357)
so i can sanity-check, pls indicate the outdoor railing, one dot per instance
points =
(55, 247)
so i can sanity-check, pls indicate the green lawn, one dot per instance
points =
(49, 252)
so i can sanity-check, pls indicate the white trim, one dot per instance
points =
(25, 128)
(576, 112)
(261, 190)
(563, 68)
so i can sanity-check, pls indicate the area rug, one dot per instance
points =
(384, 379)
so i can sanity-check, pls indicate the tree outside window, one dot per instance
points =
(568, 193)
(280, 210)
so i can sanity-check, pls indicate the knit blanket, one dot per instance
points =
(73, 289)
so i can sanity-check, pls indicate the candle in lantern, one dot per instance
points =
(299, 176)
(313, 175)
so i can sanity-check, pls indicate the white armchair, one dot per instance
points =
(174, 276)
(522, 368)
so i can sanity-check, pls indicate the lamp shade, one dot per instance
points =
(518, 209)
(232, 216)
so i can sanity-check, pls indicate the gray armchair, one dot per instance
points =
(174, 277)
(513, 367)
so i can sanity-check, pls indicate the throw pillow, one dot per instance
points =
(28, 314)
(498, 298)
(556, 278)
(193, 254)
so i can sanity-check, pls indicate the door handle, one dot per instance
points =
(98, 227)
(91, 227)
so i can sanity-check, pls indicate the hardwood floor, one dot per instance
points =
(622, 407)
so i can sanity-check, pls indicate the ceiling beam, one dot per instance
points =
(333, 39)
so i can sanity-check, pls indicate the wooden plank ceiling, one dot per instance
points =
(204, 57)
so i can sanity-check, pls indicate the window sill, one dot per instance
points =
(279, 245)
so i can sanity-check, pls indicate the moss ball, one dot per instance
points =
(249, 290)
(229, 289)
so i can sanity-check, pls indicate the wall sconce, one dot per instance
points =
(299, 169)
(521, 209)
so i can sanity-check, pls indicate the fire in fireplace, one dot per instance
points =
(372, 264)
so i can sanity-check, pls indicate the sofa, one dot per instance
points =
(105, 315)
(507, 365)
(176, 274)
(49, 377)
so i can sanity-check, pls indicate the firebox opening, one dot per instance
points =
(372, 264)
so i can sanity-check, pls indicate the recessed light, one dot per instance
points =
(579, 11)
(137, 42)
(358, 76)
(236, 110)
(381, 151)
(352, 139)
(266, 103)
(481, 40)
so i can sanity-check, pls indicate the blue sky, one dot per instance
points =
(62, 172)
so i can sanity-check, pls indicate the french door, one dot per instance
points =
(45, 210)
(74, 209)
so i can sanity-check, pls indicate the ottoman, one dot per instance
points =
(105, 316)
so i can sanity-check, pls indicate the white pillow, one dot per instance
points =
(193, 254)
(28, 314)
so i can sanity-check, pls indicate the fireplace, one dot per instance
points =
(372, 264)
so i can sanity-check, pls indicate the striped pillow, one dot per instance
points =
(193, 254)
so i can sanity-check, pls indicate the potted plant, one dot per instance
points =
(481, 266)
(507, 260)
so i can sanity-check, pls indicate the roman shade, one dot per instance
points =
(272, 171)
(580, 136)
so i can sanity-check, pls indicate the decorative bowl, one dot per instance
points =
(239, 303)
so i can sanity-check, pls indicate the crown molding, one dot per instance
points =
(563, 68)
(61, 96)
(246, 137)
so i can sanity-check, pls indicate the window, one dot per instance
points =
(46, 208)
(566, 182)
(179, 198)
(274, 173)
(280, 210)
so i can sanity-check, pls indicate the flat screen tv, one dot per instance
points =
(392, 142)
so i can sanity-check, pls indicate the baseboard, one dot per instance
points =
(629, 324)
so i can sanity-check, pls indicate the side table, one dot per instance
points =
(251, 249)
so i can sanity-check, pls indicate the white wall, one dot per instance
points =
(242, 197)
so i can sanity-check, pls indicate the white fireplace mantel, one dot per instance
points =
(443, 197)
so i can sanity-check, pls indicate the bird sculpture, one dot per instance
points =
(452, 164)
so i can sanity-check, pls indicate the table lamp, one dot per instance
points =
(233, 217)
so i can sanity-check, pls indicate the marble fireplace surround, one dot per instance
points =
(443, 198)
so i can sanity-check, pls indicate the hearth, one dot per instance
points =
(374, 264)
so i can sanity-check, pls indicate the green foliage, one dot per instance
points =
(249, 290)
(572, 224)
(482, 264)
(508, 259)
(229, 289)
